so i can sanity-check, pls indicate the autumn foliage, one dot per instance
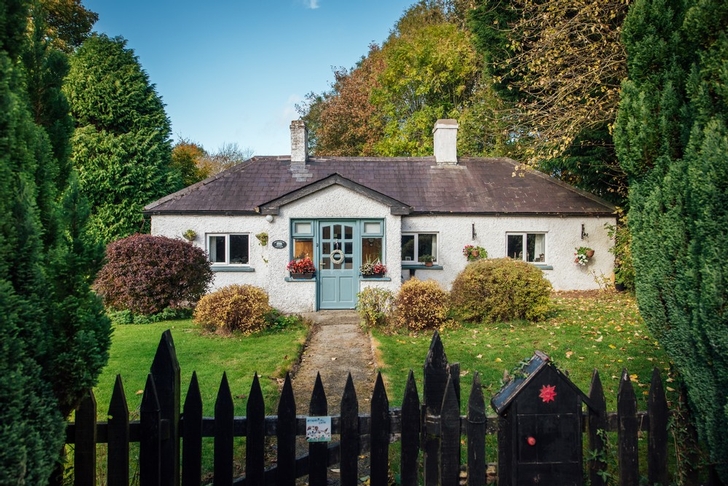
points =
(146, 274)
(234, 308)
(420, 305)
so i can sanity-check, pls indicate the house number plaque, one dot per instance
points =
(279, 244)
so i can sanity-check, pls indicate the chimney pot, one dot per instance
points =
(445, 141)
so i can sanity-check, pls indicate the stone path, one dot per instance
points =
(337, 347)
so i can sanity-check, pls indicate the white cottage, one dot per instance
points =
(257, 216)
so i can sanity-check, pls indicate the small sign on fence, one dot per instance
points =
(318, 429)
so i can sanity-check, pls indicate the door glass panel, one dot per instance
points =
(326, 248)
(326, 262)
(348, 232)
(348, 263)
(337, 231)
(326, 233)
(348, 248)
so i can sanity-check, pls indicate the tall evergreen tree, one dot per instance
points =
(53, 331)
(122, 146)
(31, 423)
(672, 139)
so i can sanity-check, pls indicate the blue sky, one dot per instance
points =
(231, 71)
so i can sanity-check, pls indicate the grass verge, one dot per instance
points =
(270, 354)
(603, 332)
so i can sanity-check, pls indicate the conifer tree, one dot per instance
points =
(31, 423)
(121, 147)
(672, 140)
(53, 331)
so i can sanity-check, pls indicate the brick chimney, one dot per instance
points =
(299, 143)
(446, 139)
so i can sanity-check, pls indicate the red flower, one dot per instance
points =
(301, 265)
(548, 393)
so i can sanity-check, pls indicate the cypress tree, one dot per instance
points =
(121, 147)
(672, 140)
(31, 430)
(54, 336)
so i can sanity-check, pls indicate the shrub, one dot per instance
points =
(500, 290)
(421, 305)
(241, 308)
(374, 305)
(146, 274)
(276, 321)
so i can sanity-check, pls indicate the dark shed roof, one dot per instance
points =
(474, 186)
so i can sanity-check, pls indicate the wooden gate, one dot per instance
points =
(170, 436)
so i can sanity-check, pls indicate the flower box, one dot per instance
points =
(302, 276)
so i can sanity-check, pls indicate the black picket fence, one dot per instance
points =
(170, 437)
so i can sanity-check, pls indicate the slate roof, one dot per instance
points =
(474, 186)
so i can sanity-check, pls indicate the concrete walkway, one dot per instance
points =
(337, 347)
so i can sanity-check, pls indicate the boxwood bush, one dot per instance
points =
(236, 307)
(146, 274)
(500, 290)
(421, 305)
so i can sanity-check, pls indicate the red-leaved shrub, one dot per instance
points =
(146, 274)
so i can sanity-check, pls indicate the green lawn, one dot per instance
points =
(268, 354)
(604, 332)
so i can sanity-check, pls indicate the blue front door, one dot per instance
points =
(338, 274)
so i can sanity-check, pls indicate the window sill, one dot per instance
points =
(420, 266)
(413, 267)
(232, 268)
(543, 266)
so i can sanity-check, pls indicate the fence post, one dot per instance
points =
(380, 429)
(166, 373)
(255, 436)
(224, 420)
(192, 431)
(657, 442)
(317, 451)
(435, 380)
(597, 426)
(85, 454)
(410, 432)
(349, 435)
(628, 425)
(118, 450)
(286, 436)
(450, 437)
(150, 442)
(476, 429)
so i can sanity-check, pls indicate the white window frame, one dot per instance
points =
(227, 248)
(524, 246)
(416, 235)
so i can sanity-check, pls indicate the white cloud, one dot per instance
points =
(312, 4)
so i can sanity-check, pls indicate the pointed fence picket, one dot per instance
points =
(430, 432)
